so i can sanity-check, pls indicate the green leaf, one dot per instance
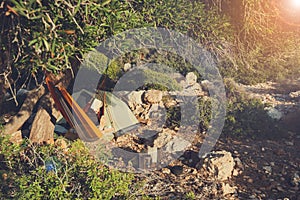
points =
(46, 44)
(105, 2)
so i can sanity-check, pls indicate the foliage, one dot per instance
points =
(202, 108)
(266, 45)
(246, 116)
(74, 173)
(49, 35)
(190, 195)
(42, 34)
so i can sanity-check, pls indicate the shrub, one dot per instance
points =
(73, 174)
(246, 116)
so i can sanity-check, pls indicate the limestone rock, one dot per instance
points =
(61, 143)
(220, 164)
(135, 98)
(295, 94)
(153, 96)
(16, 122)
(206, 85)
(42, 128)
(191, 78)
(177, 144)
(16, 137)
(127, 66)
(163, 138)
(227, 189)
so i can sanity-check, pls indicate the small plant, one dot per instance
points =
(190, 195)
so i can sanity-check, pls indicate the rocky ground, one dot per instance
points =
(237, 168)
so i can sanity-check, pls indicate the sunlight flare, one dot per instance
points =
(296, 3)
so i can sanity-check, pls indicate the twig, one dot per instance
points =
(13, 92)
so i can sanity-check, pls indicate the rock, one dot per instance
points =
(295, 179)
(191, 78)
(227, 189)
(235, 172)
(268, 169)
(16, 137)
(177, 144)
(295, 94)
(238, 163)
(280, 189)
(250, 180)
(157, 114)
(127, 66)
(153, 96)
(42, 128)
(16, 122)
(206, 85)
(71, 135)
(61, 143)
(163, 138)
(60, 129)
(165, 170)
(220, 164)
(135, 98)
(177, 169)
(274, 113)
(154, 111)
(152, 151)
(289, 143)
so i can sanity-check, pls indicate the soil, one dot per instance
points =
(270, 164)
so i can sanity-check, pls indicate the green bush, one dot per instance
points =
(75, 173)
(47, 34)
(246, 116)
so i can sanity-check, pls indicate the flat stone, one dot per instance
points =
(177, 144)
